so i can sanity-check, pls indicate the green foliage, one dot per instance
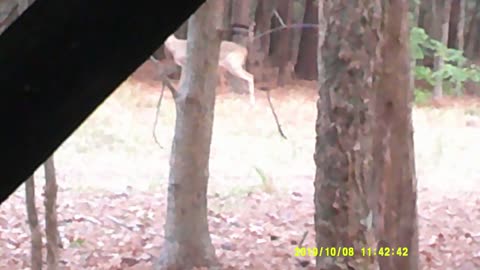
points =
(422, 96)
(453, 73)
(267, 183)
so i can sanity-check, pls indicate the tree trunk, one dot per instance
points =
(415, 10)
(439, 61)
(306, 66)
(263, 15)
(10, 10)
(453, 23)
(280, 47)
(51, 220)
(298, 16)
(36, 234)
(227, 19)
(349, 32)
(460, 37)
(187, 239)
(241, 18)
(257, 63)
(393, 155)
(472, 36)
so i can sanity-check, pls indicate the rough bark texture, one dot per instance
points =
(393, 156)
(51, 223)
(187, 239)
(36, 234)
(306, 66)
(348, 38)
(439, 61)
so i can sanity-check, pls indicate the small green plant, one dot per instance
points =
(76, 243)
(267, 183)
(453, 74)
(422, 96)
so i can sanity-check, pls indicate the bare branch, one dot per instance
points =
(279, 127)
(279, 18)
(159, 103)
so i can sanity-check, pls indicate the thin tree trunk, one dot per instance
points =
(460, 34)
(393, 155)
(349, 34)
(51, 223)
(298, 17)
(187, 239)
(439, 61)
(306, 66)
(472, 32)
(36, 234)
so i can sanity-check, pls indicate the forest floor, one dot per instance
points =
(113, 178)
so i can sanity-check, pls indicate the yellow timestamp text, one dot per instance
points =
(385, 252)
(350, 252)
(324, 251)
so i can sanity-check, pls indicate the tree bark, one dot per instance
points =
(306, 66)
(298, 16)
(263, 15)
(415, 10)
(257, 61)
(241, 17)
(347, 52)
(36, 234)
(460, 37)
(472, 36)
(393, 155)
(280, 47)
(51, 220)
(439, 61)
(187, 239)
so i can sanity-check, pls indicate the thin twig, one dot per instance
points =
(279, 18)
(296, 25)
(279, 127)
(157, 113)
(165, 82)
(300, 244)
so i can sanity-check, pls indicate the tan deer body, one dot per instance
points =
(232, 58)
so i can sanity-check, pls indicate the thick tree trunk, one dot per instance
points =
(36, 234)
(187, 239)
(393, 156)
(439, 61)
(343, 152)
(280, 47)
(51, 223)
(306, 66)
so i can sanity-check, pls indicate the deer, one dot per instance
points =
(232, 58)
